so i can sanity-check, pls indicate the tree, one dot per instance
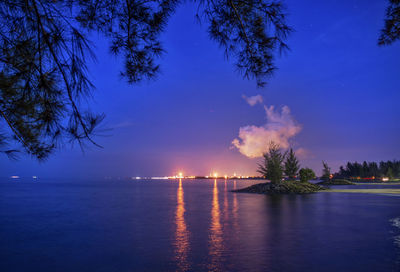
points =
(326, 171)
(272, 168)
(389, 173)
(366, 170)
(342, 173)
(306, 174)
(391, 31)
(44, 48)
(291, 164)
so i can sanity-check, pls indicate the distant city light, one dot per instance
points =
(14, 177)
(159, 178)
(180, 175)
(385, 179)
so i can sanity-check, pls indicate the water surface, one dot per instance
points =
(192, 225)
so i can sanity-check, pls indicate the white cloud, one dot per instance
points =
(280, 127)
(303, 153)
(253, 100)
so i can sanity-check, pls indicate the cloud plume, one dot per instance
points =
(280, 127)
(253, 100)
(303, 153)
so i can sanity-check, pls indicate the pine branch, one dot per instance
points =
(69, 90)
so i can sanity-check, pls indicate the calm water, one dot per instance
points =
(192, 225)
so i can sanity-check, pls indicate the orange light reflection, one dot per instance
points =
(182, 234)
(216, 238)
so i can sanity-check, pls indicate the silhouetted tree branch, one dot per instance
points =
(44, 50)
(391, 31)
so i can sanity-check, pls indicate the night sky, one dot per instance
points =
(335, 96)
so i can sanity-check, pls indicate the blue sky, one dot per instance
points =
(341, 88)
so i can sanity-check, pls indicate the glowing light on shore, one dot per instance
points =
(159, 177)
(385, 179)
(180, 175)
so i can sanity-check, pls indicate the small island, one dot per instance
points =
(275, 165)
(286, 187)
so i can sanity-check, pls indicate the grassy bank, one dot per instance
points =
(366, 191)
(336, 182)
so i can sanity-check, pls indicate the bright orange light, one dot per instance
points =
(225, 176)
(215, 175)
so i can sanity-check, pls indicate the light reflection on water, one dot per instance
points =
(182, 234)
(235, 208)
(216, 233)
(226, 203)
(215, 238)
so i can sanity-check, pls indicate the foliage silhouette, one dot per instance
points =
(369, 169)
(391, 30)
(44, 48)
(306, 174)
(326, 171)
(272, 167)
(291, 165)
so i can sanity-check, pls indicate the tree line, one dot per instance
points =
(388, 169)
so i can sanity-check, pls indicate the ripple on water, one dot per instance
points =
(396, 223)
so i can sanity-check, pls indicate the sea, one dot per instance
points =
(192, 225)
